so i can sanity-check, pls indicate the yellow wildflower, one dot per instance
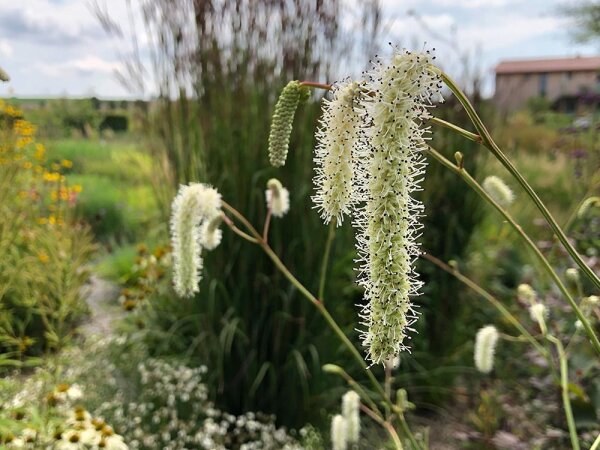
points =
(43, 256)
(40, 150)
(27, 165)
(42, 220)
(66, 163)
(76, 188)
(52, 219)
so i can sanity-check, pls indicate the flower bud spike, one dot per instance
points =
(283, 117)
(498, 190)
(351, 412)
(339, 433)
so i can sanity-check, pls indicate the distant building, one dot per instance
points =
(563, 81)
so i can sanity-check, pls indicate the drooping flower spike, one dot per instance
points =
(485, 348)
(390, 152)
(193, 204)
(336, 166)
(211, 234)
(283, 117)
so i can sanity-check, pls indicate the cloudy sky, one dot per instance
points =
(57, 47)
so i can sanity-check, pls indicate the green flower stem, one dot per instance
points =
(385, 425)
(494, 301)
(471, 136)
(596, 444)
(326, 255)
(564, 383)
(356, 386)
(545, 264)
(487, 141)
(322, 310)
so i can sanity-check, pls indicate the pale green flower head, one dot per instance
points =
(498, 190)
(282, 121)
(526, 293)
(485, 347)
(538, 313)
(335, 165)
(392, 164)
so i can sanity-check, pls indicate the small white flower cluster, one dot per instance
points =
(172, 411)
(194, 205)
(498, 190)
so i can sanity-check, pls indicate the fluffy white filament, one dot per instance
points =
(388, 226)
(210, 234)
(339, 433)
(498, 190)
(485, 347)
(335, 165)
(193, 204)
(277, 197)
(351, 412)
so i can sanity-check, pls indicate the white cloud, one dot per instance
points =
(84, 66)
(6, 49)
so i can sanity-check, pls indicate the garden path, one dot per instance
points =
(100, 296)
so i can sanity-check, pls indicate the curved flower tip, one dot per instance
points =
(351, 412)
(498, 190)
(277, 197)
(282, 121)
(538, 313)
(339, 433)
(210, 234)
(335, 166)
(485, 347)
(193, 204)
(391, 156)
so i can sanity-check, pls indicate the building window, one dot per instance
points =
(543, 84)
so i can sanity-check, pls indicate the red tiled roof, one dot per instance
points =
(549, 65)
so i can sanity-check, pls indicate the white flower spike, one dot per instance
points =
(278, 198)
(388, 222)
(193, 204)
(485, 347)
(351, 412)
(498, 190)
(339, 433)
(335, 165)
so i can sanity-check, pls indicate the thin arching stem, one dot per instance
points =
(325, 263)
(530, 244)
(324, 313)
(488, 142)
(313, 84)
(386, 426)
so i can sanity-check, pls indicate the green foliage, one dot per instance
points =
(44, 251)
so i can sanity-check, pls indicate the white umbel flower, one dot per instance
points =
(485, 347)
(339, 433)
(193, 204)
(277, 197)
(498, 190)
(335, 165)
(351, 412)
(388, 222)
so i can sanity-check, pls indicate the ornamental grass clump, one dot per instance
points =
(335, 164)
(388, 221)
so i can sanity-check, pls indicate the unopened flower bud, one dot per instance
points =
(278, 198)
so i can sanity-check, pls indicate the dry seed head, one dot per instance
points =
(193, 204)
(498, 190)
(390, 153)
(485, 347)
(335, 165)
(282, 121)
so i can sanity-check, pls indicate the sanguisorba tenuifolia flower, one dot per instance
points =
(498, 190)
(194, 204)
(485, 348)
(283, 118)
(335, 165)
(351, 413)
(277, 197)
(388, 222)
